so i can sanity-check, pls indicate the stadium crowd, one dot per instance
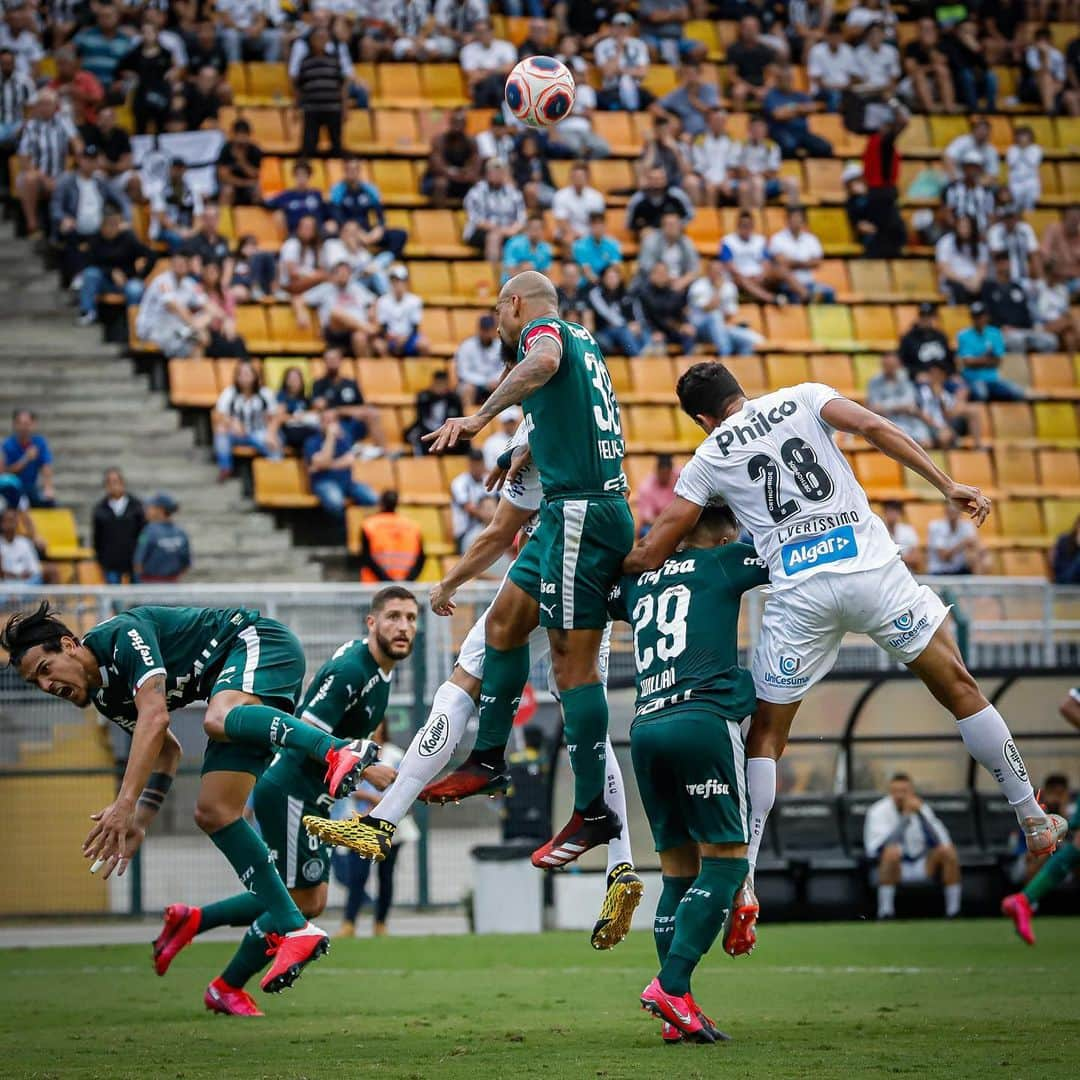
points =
(79, 82)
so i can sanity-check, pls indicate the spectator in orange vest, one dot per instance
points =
(391, 545)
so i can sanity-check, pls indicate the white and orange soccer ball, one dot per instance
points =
(540, 91)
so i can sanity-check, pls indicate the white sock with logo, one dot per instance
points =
(886, 901)
(429, 753)
(618, 850)
(988, 741)
(952, 899)
(761, 789)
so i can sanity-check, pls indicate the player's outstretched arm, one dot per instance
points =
(482, 554)
(539, 364)
(849, 416)
(668, 531)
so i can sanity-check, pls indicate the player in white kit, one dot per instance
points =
(454, 704)
(833, 569)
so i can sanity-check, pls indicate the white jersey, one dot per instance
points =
(775, 464)
(525, 490)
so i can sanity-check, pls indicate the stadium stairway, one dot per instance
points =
(97, 412)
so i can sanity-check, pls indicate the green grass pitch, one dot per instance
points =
(917, 999)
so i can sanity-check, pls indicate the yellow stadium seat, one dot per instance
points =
(661, 79)
(915, 138)
(432, 522)
(823, 183)
(288, 335)
(474, 283)
(830, 326)
(192, 384)
(786, 369)
(1052, 374)
(396, 181)
(871, 280)
(436, 328)
(974, 467)
(1060, 515)
(268, 84)
(835, 370)
(1020, 520)
(1012, 420)
(787, 328)
(830, 126)
(953, 320)
(260, 223)
(56, 527)
(704, 229)
(915, 279)
(943, 129)
(834, 273)
(318, 173)
(749, 372)
(1023, 563)
(444, 84)
(920, 514)
(1068, 133)
(874, 327)
(236, 77)
(1060, 470)
(282, 484)
(867, 365)
(750, 315)
(617, 130)
(417, 374)
(463, 322)
(274, 368)
(831, 226)
(688, 434)
(1016, 472)
(420, 480)
(377, 473)
(431, 282)
(268, 130)
(396, 132)
(399, 87)
(453, 465)
(1056, 420)
(650, 427)
(381, 382)
(653, 379)
(882, 477)
(89, 572)
(435, 233)
(358, 135)
(612, 175)
(251, 325)
(619, 371)
(704, 30)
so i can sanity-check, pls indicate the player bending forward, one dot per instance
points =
(455, 702)
(1020, 907)
(833, 569)
(688, 752)
(138, 666)
(347, 697)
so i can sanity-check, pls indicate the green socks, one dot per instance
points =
(250, 858)
(585, 716)
(259, 725)
(674, 889)
(240, 910)
(699, 919)
(505, 675)
(250, 958)
(1054, 871)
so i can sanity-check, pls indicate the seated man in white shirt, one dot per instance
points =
(19, 560)
(830, 66)
(911, 845)
(398, 315)
(877, 65)
(712, 155)
(344, 311)
(486, 61)
(472, 506)
(952, 544)
(574, 204)
(800, 252)
(623, 61)
(976, 141)
(497, 442)
(479, 363)
(903, 534)
(751, 265)
(172, 311)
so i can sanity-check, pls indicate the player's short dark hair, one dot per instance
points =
(718, 518)
(1056, 780)
(388, 501)
(900, 776)
(391, 592)
(706, 389)
(25, 629)
(241, 127)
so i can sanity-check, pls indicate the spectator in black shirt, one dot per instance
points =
(972, 77)
(207, 242)
(654, 199)
(617, 315)
(118, 162)
(337, 391)
(433, 407)
(748, 59)
(117, 262)
(571, 291)
(665, 311)
(155, 76)
(539, 42)
(929, 81)
(200, 101)
(924, 345)
(238, 168)
(320, 94)
(1065, 558)
(874, 216)
(206, 49)
(117, 521)
(1007, 304)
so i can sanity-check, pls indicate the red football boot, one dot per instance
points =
(578, 835)
(680, 1012)
(181, 925)
(1018, 908)
(292, 953)
(344, 766)
(670, 1034)
(472, 778)
(707, 1022)
(228, 1000)
(740, 935)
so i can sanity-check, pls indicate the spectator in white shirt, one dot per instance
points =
(479, 363)
(344, 311)
(712, 156)
(911, 845)
(1052, 310)
(299, 258)
(250, 29)
(19, 559)
(903, 535)
(953, 544)
(1042, 80)
(830, 67)
(872, 13)
(877, 65)
(349, 247)
(963, 260)
(495, 444)
(172, 311)
(575, 135)
(977, 141)
(243, 416)
(472, 506)
(746, 255)
(1024, 159)
(575, 204)
(486, 61)
(799, 251)
(711, 302)
(757, 169)
(623, 60)
(398, 314)
(1019, 240)
(670, 245)
(494, 211)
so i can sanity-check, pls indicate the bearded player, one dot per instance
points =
(346, 698)
(139, 666)
(454, 704)
(834, 569)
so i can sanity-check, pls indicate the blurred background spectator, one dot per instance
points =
(433, 406)
(479, 364)
(472, 506)
(953, 545)
(29, 459)
(656, 492)
(242, 419)
(903, 535)
(118, 519)
(1065, 559)
(391, 544)
(19, 559)
(163, 552)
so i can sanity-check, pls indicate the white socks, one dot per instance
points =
(988, 741)
(618, 850)
(429, 753)
(886, 901)
(952, 900)
(761, 788)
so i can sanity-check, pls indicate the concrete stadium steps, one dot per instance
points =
(97, 412)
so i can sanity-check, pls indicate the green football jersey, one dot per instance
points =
(185, 644)
(575, 432)
(685, 617)
(347, 698)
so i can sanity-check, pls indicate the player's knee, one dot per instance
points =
(947, 854)
(311, 905)
(214, 722)
(211, 818)
(891, 855)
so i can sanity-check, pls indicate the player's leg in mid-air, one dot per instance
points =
(1021, 906)
(690, 768)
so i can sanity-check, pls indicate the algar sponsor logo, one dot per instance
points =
(759, 425)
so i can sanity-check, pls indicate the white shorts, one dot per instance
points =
(802, 626)
(913, 871)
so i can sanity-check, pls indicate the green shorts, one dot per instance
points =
(235, 757)
(690, 766)
(301, 859)
(580, 545)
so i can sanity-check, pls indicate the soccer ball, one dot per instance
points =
(540, 91)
